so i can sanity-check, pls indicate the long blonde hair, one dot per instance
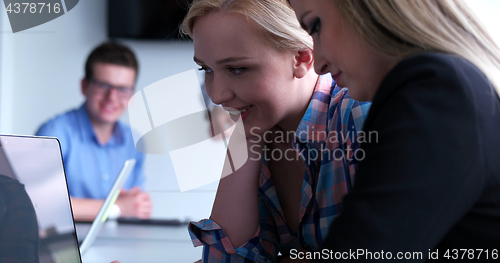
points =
(276, 18)
(399, 28)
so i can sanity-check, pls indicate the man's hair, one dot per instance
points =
(110, 53)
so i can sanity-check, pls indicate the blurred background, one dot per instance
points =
(41, 69)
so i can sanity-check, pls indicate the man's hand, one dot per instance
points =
(134, 203)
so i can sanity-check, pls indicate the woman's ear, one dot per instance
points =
(303, 62)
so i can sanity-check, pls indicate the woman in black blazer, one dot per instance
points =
(429, 186)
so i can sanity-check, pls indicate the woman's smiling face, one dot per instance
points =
(340, 50)
(244, 73)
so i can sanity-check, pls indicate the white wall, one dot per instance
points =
(40, 71)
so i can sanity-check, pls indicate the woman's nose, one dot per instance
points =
(219, 90)
(321, 65)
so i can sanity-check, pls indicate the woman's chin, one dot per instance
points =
(357, 93)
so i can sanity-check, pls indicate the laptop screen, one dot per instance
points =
(36, 163)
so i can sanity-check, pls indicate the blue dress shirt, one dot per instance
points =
(91, 168)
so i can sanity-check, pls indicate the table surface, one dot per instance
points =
(139, 243)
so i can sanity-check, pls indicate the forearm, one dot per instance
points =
(85, 209)
(236, 204)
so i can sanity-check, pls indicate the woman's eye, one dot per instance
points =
(315, 26)
(206, 69)
(237, 70)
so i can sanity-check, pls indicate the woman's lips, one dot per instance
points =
(246, 113)
(236, 111)
(235, 114)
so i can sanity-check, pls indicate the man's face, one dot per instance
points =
(108, 92)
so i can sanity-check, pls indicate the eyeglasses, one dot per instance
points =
(102, 88)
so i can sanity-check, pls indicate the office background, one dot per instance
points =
(40, 73)
(41, 69)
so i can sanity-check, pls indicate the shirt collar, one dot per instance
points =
(312, 129)
(87, 131)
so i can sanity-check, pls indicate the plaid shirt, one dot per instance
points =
(330, 127)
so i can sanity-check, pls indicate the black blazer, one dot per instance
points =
(432, 180)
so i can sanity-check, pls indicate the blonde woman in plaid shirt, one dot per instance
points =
(259, 65)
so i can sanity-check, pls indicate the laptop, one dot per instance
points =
(36, 162)
(101, 217)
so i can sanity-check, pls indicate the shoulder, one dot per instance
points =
(59, 123)
(430, 84)
(441, 65)
(9, 187)
(433, 72)
(5, 181)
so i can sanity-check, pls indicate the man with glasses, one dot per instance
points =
(94, 143)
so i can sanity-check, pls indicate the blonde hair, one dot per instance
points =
(399, 28)
(276, 18)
